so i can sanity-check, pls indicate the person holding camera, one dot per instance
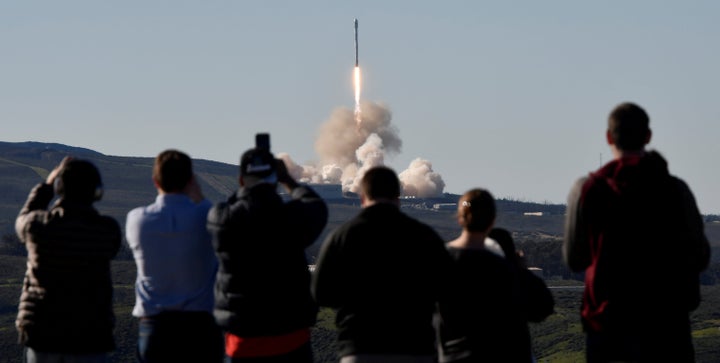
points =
(263, 300)
(176, 268)
(65, 312)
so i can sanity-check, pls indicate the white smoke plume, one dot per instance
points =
(347, 149)
(420, 180)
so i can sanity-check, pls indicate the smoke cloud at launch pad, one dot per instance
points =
(346, 149)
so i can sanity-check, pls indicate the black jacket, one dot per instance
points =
(263, 281)
(384, 272)
(66, 301)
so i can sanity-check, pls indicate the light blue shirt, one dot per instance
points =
(176, 263)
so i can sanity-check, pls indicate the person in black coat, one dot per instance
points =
(497, 296)
(384, 273)
(533, 301)
(262, 290)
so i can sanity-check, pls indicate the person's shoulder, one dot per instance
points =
(34, 220)
(420, 229)
(108, 223)
(593, 185)
(353, 223)
(483, 258)
(493, 246)
(222, 212)
(139, 215)
(136, 212)
(683, 190)
(218, 209)
(586, 182)
(583, 179)
(680, 183)
(414, 221)
(203, 207)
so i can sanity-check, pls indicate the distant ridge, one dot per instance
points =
(127, 180)
(34, 145)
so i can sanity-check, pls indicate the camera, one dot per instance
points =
(262, 141)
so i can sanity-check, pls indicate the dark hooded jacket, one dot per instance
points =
(636, 232)
(66, 300)
(263, 281)
(385, 273)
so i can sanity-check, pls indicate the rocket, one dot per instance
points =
(356, 43)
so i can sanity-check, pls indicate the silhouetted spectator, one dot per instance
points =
(532, 300)
(384, 273)
(263, 299)
(490, 322)
(66, 312)
(176, 267)
(636, 232)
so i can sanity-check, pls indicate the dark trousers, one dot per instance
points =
(651, 344)
(301, 355)
(180, 336)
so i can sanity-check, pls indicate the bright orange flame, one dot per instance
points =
(357, 95)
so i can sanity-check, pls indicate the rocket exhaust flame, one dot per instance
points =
(358, 119)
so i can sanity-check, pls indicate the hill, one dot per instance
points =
(127, 180)
(127, 183)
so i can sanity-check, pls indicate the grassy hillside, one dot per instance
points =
(558, 339)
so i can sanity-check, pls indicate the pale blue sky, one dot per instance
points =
(507, 95)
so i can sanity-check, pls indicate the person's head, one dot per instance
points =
(172, 171)
(379, 184)
(476, 210)
(628, 127)
(79, 182)
(257, 165)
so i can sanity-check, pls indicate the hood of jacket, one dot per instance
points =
(628, 173)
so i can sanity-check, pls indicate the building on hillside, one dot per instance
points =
(445, 206)
(328, 191)
(537, 271)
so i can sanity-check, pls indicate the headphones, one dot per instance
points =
(59, 186)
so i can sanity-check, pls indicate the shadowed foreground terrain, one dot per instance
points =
(558, 339)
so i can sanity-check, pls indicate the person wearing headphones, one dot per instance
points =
(65, 312)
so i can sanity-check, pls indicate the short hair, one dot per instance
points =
(79, 181)
(172, 170)
(629, 126)
(476, 210)
(380, 182)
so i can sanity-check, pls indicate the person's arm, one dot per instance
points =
(576, 249)
(327, 278)
(698, 242)
(218, 225)
(114, 239)
(192, 190)
(39, 199)
(308, 210)
(284, 177)
(538, 300)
